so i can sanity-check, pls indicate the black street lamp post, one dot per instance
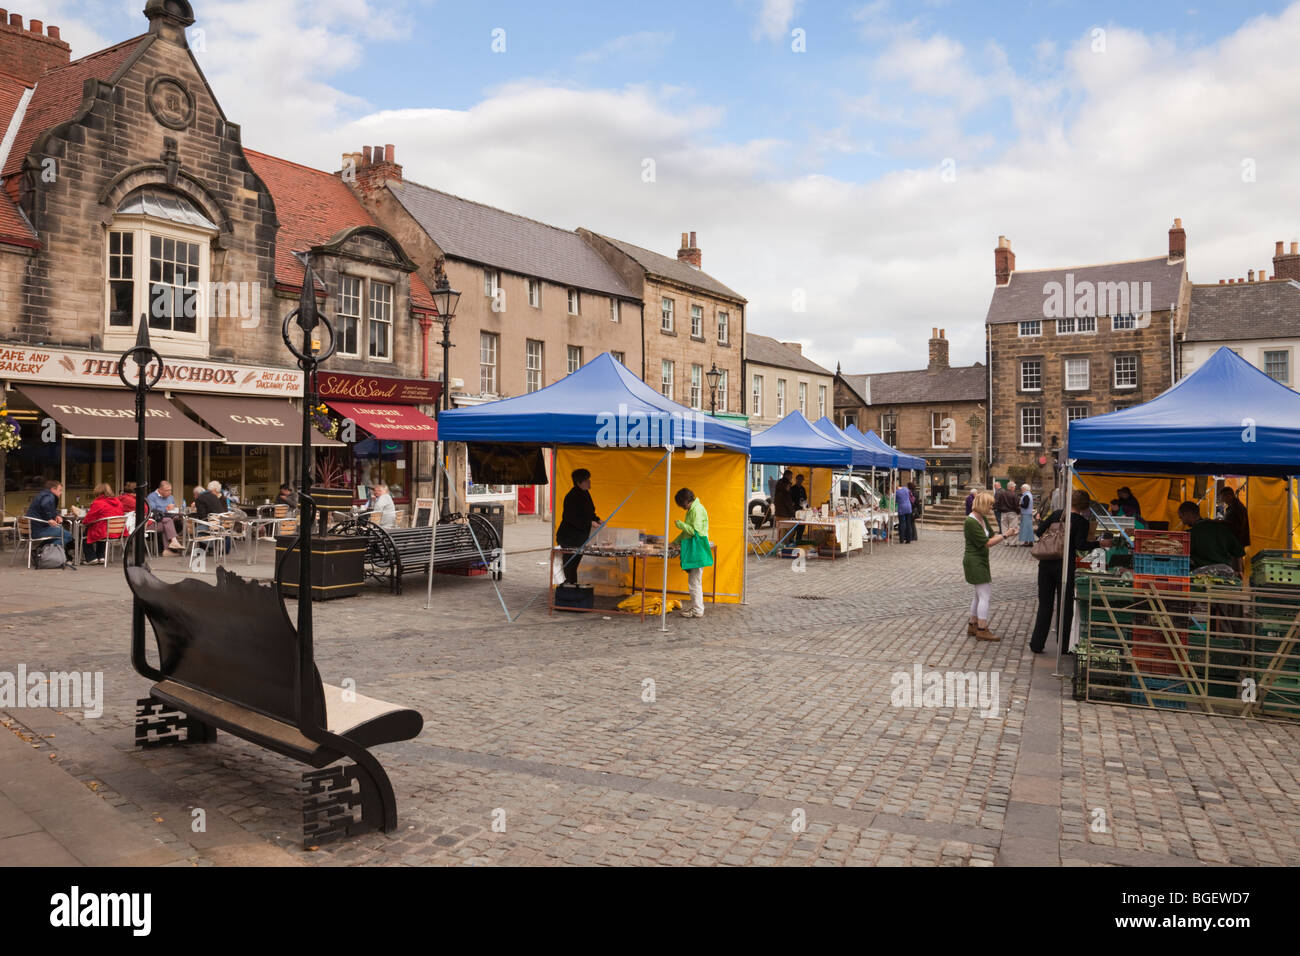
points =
(445, 299)
(714, 375)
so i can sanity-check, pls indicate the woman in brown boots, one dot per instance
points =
(979, 538)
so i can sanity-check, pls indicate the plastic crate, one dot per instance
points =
(1283, 697)
(1162, 543)
(1164, 565)
(1158, 684)
(1162, 582)
(1275, 567)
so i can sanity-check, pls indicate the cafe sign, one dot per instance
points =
(374, 388)
(24, 364)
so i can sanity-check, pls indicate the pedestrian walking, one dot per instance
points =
(1049, 572)
(1004, 503)
(980, 536)
(1026, 539)
(918, 507)
(970, 499)
(903, 499)
(696, 554)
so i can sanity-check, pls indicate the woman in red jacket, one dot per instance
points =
(104, 506)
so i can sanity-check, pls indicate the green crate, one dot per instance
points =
(1275, 567)
(1283, 697)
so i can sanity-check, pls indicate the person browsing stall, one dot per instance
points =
(1235, 516)
(577, 522)
(696, 554)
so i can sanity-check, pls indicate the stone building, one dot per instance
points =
(537, 302)
(127, 193)
(1255, 316)
(1067, 343)
(781, 380)
(692, 321)
(927, 413)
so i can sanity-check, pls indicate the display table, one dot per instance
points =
(849, 531)
(635, 556)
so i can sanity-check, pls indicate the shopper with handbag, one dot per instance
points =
(980, 536)
(1051, 549)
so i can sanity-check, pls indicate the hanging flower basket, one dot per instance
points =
(11, 438)
(321, 421)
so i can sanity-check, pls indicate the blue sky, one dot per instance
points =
(869, 176)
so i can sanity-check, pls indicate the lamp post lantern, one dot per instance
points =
(714, 375)
(445, 300)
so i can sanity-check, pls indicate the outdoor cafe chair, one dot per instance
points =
(115, 526)
(8, 528)
(203, 533)
(24, 531)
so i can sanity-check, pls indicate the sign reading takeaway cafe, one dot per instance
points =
(21, 363)
(373, 388)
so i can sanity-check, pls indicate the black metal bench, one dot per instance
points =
(229, 658)
(463, 542)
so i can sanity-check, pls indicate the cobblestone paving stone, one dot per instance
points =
(762, 713)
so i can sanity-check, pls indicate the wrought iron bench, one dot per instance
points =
(229, 658)
(466, 541)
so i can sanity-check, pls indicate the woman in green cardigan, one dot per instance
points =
(979, 538)
(696, 553)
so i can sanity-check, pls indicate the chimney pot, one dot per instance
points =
(1004, 261)
(52, 32)
(36, 26)
(938, 352)
(692, 239)
(1277, 248)
(1223, 282)
(389, 152)
(365, 155)
(16, 20)
(1295, 248)
(1250, 275)
(1177, 241)
(684, 244)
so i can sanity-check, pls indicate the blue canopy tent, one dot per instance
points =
(1226, 418)
(604, 406)
(872, 440)
(865, 458)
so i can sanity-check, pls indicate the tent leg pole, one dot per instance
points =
(663, 598)
(1290, 515)
(433, 539)
(1062, 636)
(744, 564)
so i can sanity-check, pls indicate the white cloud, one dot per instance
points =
(775, 17)
(1088, 160)
(643, 45)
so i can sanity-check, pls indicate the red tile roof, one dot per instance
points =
(313, 206)
(14, 228)
(58, 97)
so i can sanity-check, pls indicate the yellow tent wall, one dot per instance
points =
(816, 480)
(718, 479)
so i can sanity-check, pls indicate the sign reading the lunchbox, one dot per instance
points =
(20, 363)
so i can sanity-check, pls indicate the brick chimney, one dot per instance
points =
(1177, 241)
(1286, 265)
(794, 346)
(1004, 261)
(28, 53)
(689, 253)
(938, 351)
(368, 170)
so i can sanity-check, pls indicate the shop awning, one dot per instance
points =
(393, 422)
(252, 421)
(108, 413)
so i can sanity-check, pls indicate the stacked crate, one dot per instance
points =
(1161, 559)
(1279, 571)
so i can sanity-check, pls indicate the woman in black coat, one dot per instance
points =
(1049, 573)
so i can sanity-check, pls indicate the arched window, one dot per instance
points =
(158, 251)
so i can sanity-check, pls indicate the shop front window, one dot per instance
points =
(377, 461)
(32, 465)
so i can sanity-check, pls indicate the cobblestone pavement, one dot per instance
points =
(771, 738)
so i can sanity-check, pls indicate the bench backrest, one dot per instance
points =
(232, 640)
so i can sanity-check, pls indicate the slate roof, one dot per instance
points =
(493, 237)
(668, 267)
(766, 350)
(313, 206)
(1251, 310)
(1023, 296)
(966, 383)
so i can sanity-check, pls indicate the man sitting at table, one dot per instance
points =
(381, 503)
(1212, 541)
(162, 508)
(45, 508)
(286, 497)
